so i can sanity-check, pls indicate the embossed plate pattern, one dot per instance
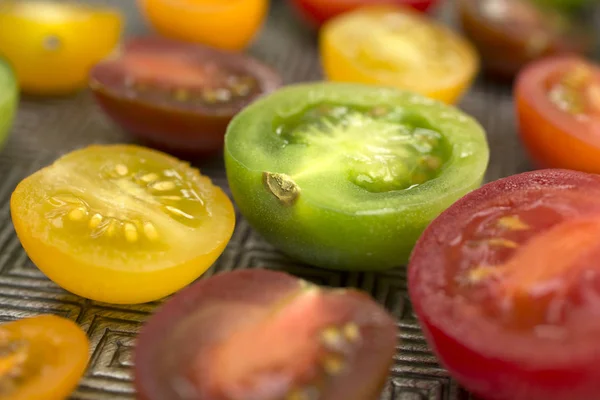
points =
(46, 129)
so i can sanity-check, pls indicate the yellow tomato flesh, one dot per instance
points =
(52, 46)
(121, 224)
(228, 25)
(42, 358)
(396, 46)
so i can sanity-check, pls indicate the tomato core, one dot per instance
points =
(401, 151)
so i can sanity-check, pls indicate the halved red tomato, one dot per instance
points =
(319, 11)
(506, 285)
(558, 108)
(178, 96)
(260, 334)
(512, 33)
(41, 358)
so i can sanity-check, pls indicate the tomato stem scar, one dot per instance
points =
(282, 187)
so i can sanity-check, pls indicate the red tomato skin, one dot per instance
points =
(552, 138)
(486, 373)
(317, 12)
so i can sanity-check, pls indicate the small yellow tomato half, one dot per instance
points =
(228, 25)
(400, 47)
(53, 46)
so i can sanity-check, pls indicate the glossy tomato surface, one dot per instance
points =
(42, 358)
(260, 334)
(121, 224)
(228, 25)
(506, 283)
(178, 96)
(512, 33)
(9, 100)
(558, 109)
(57, 43)
(319, 11)
(399, 47)
(347, 176)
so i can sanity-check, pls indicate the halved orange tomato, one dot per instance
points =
(41, 358)
(229, 25)
(53, 46)
(398, 46)
(121, 224)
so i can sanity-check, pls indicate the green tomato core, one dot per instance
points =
(379, 148)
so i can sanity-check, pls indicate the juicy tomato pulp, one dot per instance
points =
(57, 43)
(260, 334)
(558, 108)
(397, 46)
(9, 99)
(121, 224)
(318, 12)
(512, 33)
(506, 285)
(41, 358)
(347, 176)
(178, 96)
(229, 25)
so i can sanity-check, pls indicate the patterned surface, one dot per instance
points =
(46, 129)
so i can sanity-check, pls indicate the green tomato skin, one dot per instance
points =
(9, 99)
(334, 238)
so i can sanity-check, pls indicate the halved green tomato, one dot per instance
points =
(121, 224)
(347, 176)
(9, 98)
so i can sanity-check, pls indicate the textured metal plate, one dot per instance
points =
(46, 129)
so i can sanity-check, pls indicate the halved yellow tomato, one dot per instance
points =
(41, 358)
(52, 46)
(228, 25)
(121, 223)
(400, 47)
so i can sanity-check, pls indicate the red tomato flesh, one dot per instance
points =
(506, 285)
(318, 12)
(178, 96)
(260, 334)
(558, 108)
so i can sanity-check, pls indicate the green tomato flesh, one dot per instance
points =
(9, 97)
(347, 176)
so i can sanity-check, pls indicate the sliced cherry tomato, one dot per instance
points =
(347, 176)
(121, 224)
(52, 46)
(9, 99)
(178, 96)
(400, 47)
(512, 33)
(318, 12)
(260, 334)
(229, 25)
(506, 282)
(558, 107)
(41, 358)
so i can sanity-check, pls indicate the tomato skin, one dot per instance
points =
(59, 347)
(340, 64)
(493, 363)
(115, 275)
(164, 124)
(9, 100)
(358, 230)
(230, 26)
(317, 12)
(52, 55)
(183, 341)
(552, 137)
(505, 50)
